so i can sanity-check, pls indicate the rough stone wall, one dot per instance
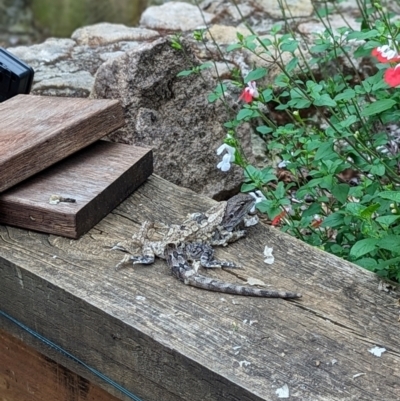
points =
(139, 67)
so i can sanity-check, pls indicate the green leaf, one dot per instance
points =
(255, 74)
(234, 46)
(391, 195)
(327, 182)
(378, 107)
(390, 242)
(347, 94)
(378, 169)
(340, 192)
(363, 35)
(263, 129)
(205, 65)
(292, 64)
(267, 175)
(348, 121)
(267, 94)
(320, 48)
(247, 187)
(369, 211)
(324, 100)
(384, 264)
(354, 208)
(363, 247)
(289, 46)
(266, 42)
(368, 263)
(184, 73)
(387, 220)
(280, 190)
(324, 151)
(299, 103)
(268, 207)
(252, 173)
(313, 209)
(333, 220)
(244, 113)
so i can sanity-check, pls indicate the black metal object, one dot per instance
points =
(15, 76)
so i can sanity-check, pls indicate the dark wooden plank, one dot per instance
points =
(163, 340)
(98, 178)
(26, 375)
(38, 131)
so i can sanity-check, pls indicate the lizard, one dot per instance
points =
(193, 241)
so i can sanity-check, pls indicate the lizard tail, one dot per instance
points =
(207, 283)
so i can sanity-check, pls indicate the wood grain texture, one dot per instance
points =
(98, 177)
(164, 340)
(26, 375)
(38, 131)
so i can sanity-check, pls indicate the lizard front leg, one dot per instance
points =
(147, 257)
(223, 237)
(205, 254)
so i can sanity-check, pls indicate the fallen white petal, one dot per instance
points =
(269, 258)
(377, 351)
(358, 375)
(255, 281)
(283, 392)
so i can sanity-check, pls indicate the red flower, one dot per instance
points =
(276, 220)
(385, 54)
(317, 221)
(250, 92)
(392, 76)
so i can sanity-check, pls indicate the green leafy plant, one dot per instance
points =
(337, 136)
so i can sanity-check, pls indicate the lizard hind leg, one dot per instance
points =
(205, 254)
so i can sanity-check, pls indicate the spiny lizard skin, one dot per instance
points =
(193, 241)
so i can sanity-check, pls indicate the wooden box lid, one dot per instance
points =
(98, 178)
(38, 131)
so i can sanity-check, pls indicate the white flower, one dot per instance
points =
(377, 351)
(387, 52)
(259, 197)
(283, 163)
(225, 163)
(228, 158)
(269, 258)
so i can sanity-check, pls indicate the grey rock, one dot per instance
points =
(64, 68)
(292, 8)
(105, 33)
(174, 16)
(172, 115)
(47, 52)
(223, 8)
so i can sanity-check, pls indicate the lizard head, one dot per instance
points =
(236, 209)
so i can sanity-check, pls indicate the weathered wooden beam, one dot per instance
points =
(163, 340)
(25, 374)
(38, 131)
